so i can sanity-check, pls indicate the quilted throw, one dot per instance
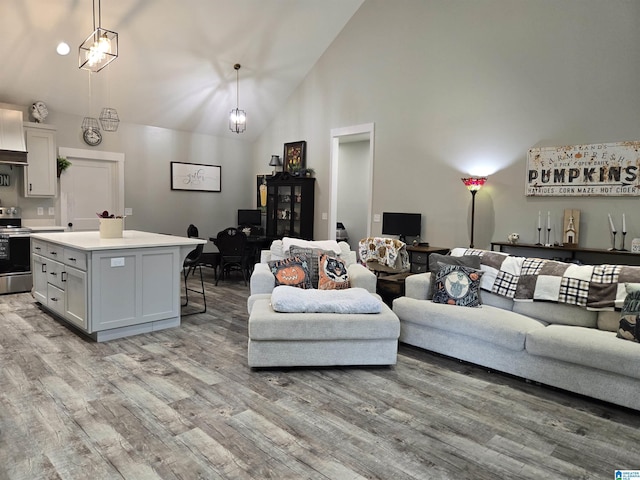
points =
(596, 287)
(385, 251)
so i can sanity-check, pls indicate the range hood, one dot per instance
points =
(12, 146)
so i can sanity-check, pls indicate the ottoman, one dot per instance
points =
(320, 339)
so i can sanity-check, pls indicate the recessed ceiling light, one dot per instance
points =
(63, 48)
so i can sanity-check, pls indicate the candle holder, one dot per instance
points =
(539, 229)
(613, 248)
(548, 244)
(622, 249)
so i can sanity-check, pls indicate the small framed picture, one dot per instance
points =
(294, 158)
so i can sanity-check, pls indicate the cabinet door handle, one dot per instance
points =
(54, 253)
(54, 299)
(63, 277)
(44, 268)
(71, 259)
(30, 186)
(53, 273)
(37, 248)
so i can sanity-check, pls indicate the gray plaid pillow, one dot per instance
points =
(313, 255)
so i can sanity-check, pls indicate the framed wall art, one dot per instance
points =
(294, 158)
(196, 177)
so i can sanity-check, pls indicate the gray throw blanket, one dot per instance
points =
(298, 300)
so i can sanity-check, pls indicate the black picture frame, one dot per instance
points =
(294, 158)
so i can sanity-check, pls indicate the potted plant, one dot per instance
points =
(62, 165)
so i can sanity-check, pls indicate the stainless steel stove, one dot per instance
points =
(15, 252)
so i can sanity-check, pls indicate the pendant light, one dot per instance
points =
(237, 117)
(100, 48)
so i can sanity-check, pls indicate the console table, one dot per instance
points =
(589, 256)
(419, 256)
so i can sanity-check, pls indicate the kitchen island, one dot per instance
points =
(110, 287)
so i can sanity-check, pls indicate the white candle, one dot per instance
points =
(624, 224)
(539, 219)
(548, 220)
(613, 229)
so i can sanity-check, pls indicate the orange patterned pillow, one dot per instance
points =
(332, 273)
(293, 271)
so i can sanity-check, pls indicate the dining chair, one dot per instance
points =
(208, 258)
(192, 261)
(232, 244)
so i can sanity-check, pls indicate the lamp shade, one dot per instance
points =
(474, 183)
(90, 123)
(275, 161)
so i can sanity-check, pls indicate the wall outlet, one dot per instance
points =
(324, 215)
(40, 211)
(128, 211)
(376, 217)
(52, 211)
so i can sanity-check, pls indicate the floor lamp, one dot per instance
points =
(473, 184)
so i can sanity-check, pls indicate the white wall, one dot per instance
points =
(458, 87)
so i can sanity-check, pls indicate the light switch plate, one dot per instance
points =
(128, 211)
(40, 211)
(376, 217)
(52, 211)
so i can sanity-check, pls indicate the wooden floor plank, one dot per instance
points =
(182, 403)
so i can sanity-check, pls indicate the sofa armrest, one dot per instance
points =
(360, 276)
(262, 280)
(418, 286)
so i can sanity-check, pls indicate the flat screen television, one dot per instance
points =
(249, 217)
(402, 224)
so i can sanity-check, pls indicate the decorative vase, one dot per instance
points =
(111, 227)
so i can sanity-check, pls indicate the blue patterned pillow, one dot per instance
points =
(457, 285)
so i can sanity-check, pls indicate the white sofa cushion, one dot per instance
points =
(488, 323)
(586, 346)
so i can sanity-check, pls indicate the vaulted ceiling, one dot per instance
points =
(175, 65)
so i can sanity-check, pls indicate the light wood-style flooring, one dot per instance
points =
(182, 404)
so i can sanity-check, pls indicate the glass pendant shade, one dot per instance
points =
(237, 117)
(98, 50)
(109, 119)
(90, 123)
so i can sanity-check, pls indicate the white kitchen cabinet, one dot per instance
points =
(110, 288)
(40, 173)
(59, 286)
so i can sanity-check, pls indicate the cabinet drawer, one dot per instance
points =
(419, 268)
(419, 257)
(55, 271)
(54, 251)
(75, 258)
(55, 299)
(38, 247)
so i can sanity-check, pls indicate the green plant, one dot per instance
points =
(62, 164)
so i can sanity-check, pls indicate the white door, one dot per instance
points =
(93, 183)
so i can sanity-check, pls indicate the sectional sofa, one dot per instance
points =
(541, 320)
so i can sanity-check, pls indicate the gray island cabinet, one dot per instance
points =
(110, 287)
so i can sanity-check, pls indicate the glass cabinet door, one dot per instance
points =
(284, 211)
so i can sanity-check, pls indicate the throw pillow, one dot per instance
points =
(313, 255)
(332, 274)
(457, 285)
(629, 327)
(471, 261)
(292, 271)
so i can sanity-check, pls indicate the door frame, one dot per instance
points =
(95, 155)
(336, 135)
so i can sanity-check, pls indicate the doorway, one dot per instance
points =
(93, 183)
(351, 188)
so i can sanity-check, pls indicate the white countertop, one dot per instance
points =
(52, 228)
(130, 239)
